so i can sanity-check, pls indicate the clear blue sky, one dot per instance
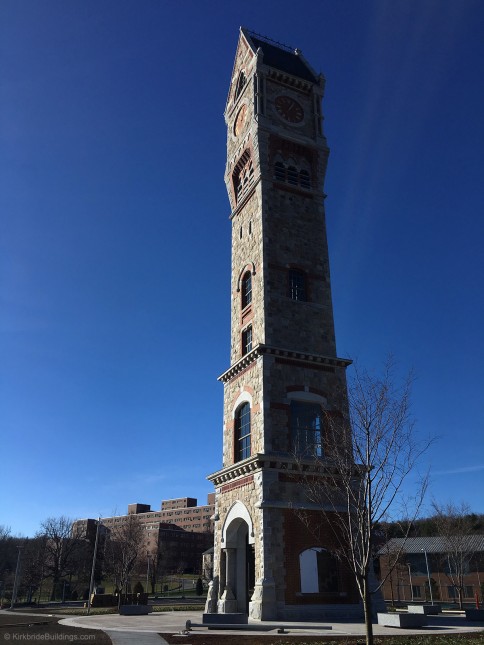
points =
(115, 238)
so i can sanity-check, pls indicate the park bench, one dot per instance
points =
(428, 610)
(475, 614)
(396, 619)
(135, 610)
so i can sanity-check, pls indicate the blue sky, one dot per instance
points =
(115, 238)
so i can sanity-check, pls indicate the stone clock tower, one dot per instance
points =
(284, 375)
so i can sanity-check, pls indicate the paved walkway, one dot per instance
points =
(173, 622)
(140, 638)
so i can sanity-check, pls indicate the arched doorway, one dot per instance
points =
(238, 550)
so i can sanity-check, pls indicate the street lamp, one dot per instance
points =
(93, 567)
(16, 581)
(428, 576)
(410, 578)
(148, 557)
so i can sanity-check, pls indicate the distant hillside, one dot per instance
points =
(426, 527)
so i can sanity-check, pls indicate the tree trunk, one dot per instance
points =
(55, 582)
(368, 612)
(391, 589)
(461, 603)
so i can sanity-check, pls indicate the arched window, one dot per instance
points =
(293, 172)
(304, 179)
(292, 176)
(246, 289)
(242, 432)
(279, 171)
(306, 428)
(319, 571)
(297, 285)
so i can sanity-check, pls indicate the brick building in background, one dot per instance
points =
(182, 511)
(425, 559)
(177, 534)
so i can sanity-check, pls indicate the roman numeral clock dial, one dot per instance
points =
(289, 109)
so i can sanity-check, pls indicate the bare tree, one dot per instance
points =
(8, 558)
(6, 550)
(454, 527)
(153, 561)
(32, 566)
(370, 449)
(4, 532)
(60, 544)
(124, 549)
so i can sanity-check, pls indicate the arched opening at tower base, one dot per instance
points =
(237, 567)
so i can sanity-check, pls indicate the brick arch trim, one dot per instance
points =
(293, 394)
(250, 266)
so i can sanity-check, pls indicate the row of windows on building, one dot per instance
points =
(292, 175)
(306, 430)
(287, 172)
(452, 592)
(189, 512)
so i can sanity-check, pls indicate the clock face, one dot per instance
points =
(289, 109)
(240, 119)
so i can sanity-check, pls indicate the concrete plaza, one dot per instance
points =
(173, 622)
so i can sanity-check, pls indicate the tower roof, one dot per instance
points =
(281, 56)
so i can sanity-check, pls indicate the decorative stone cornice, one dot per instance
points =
(240, 469)
(240, 365)
(287, 79)
(302, 506)
(290, 354)
(275, 462)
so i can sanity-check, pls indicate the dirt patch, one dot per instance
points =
(15, 627)
(232, 639)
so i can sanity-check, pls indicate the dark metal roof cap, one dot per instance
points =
(283, 58)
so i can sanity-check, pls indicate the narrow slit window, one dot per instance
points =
(297, 285)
